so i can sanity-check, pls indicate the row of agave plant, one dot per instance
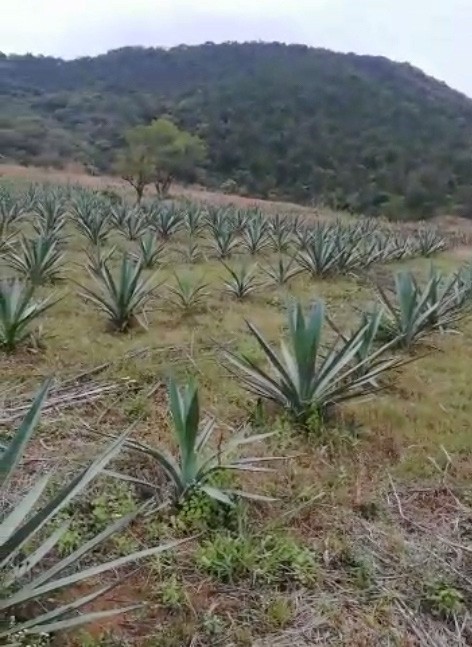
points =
(322, 248)
(308, 377)
(124, 296)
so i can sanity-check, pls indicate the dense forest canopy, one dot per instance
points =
(356, 132)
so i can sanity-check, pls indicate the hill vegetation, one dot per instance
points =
(355, 132)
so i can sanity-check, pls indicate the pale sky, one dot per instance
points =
(435, 35)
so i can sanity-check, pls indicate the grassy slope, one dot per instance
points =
(336, 496)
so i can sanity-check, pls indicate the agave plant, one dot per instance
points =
(240, 219)
(39, 260)
(241, 282)
(96, 228)
(122, 297)
(280, 238)
(50, 211)
(18, 309)
(303, 236)
(11, 213)
(429, 242)
(194, 466)
(134, 225)
(322, 256)
(189, 294)
(118, 215)
(414, 311)
(192, 253)
(166, 222)
(255, 236)
(218, 219)
(150, 251)
(97, 258)
(224, 242)
(194, 220)
(281, 272)
(307, 377)
(29, 535)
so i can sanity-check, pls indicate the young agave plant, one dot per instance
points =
(150, 251)
(50, 211)
(97, 259)
(11, 213)
(224, 242)
(118, 215)
(241, 282)
(30, 530)
(303, 236)
(255, 236)
(322, 256)
(18, 309)
(429, 242)
(189, 294)
(166, 222)
(415, 311)
(194, 220)
(280, 239)
(307, 377)
(134, 225)
(192, 253)
(39, 260)
(282, 272)
(195, 465)
(122, 297)
(96, 228)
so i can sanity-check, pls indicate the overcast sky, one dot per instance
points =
(434, 35)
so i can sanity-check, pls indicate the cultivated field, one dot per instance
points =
(360, 533)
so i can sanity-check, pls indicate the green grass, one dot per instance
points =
(335, 502)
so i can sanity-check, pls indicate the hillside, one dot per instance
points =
(354, 132)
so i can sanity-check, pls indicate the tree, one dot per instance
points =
(157, 153)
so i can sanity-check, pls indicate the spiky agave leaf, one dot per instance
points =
(12, 211)
(194, 464)
(29, 572)
(188, 294)
(39, 260)
(121, 297)
(242, 281)
(306, 378)
(18, 309)
(322, 256)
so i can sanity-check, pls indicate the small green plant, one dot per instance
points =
(134, 224)
(122, 297)
(172, 593)
(255, 236)
(37, 260)
(18, 310)
(443, 599)
(269, 560)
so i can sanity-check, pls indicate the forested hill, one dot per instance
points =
(307, 124)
